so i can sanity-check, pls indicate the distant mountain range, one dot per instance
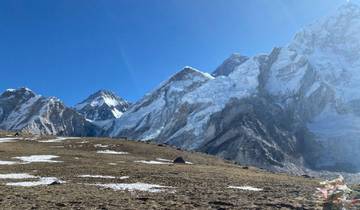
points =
(292, 109)
(23, 110)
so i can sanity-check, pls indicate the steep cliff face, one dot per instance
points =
(24, 110)
(248, 131)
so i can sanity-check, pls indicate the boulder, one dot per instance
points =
(179, 160)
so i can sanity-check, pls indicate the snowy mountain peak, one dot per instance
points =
(349, 8)
(147, 118)
(102, 105)
(103, 97)
(19, 93)
(317, 74)
(230, 64)
(189, 71)
(10, 90)
(104, 93)
(22, 89)
(327, 51)
(187, 78)
(338, 33)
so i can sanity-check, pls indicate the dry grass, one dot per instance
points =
(202, 185)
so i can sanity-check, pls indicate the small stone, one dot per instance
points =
(55, 183)
(306, 176)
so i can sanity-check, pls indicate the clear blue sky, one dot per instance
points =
(71, 48)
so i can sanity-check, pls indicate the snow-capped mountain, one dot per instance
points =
(295, 107)
(23, 110)
(153, 115)
(221, 116)
(102, 105)
(317, 77)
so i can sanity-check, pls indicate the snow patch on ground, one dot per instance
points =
(17, 176)
(38, 159)
(101, 145)
(57, 146)
(7, 140)
(112, 152)
(41, 181)
(103, 177)
(136, 187)
(97, 176)
(32, 138)
(152, 162)
(164, 160)
(59, 139)
(159, 161)
(247, 188)
(4, 162)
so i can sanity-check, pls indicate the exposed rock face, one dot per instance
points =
(230, 65)
(250, 132)
(293, 108)
(102, 105)
(23, 110)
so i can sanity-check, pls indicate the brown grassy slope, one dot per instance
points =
(203, 185)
